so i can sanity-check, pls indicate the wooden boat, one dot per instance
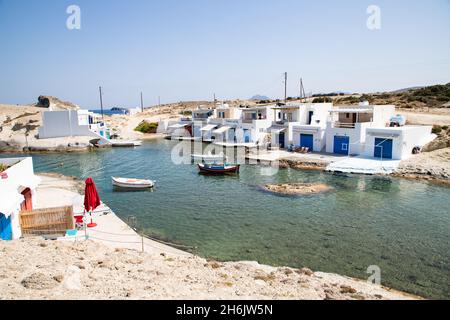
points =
(218, 168)
(208, 157)
(132, 183)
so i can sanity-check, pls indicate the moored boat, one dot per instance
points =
(218, 168)
(132, 183)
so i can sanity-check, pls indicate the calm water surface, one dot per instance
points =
(399, 225)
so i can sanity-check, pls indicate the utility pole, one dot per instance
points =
(302, 91)
(101, 102)
(285, 86)
(159, 101)
(142, 103)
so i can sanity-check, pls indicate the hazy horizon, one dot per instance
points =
(187, 51)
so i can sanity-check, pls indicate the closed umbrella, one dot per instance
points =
(91, 199)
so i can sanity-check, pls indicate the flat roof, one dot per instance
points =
(202, 111)
(403, 128)
(209, 127)
(286, 107)
(178, 126)
(222, 129)
(255, 108)
(276, 129)
(352, 110)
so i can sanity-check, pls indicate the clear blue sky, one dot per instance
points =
(186, 50)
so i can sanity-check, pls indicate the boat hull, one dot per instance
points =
(132, 185)
(217, 170)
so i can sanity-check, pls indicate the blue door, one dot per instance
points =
(341, 145)
(281, 139)
(307, 141)
(247, 136)
(5, 228)
(383, 148)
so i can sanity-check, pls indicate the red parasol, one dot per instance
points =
(91, 199)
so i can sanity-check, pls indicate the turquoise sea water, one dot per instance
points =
(399, 225)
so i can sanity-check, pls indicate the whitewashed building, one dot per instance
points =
(190, 128)
(347, 126)
(18, 185)
(396, 143)
(250, 130)
(300, 125)
(70, 123)
(223, 125)
(365, 130)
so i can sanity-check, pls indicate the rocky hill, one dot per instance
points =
(437, 96)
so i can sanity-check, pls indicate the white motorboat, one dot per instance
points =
(132, 183)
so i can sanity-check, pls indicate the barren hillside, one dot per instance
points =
(425, 98)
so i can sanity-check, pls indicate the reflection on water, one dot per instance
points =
(399, 225)
(121, 189)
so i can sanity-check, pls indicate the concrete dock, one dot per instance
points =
(58, 191)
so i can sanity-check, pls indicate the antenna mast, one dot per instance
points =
(285, 86)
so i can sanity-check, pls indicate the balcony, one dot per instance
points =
(282, 122)
(200, 118)
(344, 125)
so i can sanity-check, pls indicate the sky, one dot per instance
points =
(190, 50)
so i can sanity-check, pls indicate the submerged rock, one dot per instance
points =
(298, 188)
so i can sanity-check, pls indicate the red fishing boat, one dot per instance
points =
(218, 168)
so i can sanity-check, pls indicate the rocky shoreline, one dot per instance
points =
(433, 167)
(304, 164)
(33, 268)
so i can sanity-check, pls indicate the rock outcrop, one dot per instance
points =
(54, 103)
(298, 188)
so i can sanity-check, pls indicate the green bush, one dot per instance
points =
(444, 128)
(366, 97)
(3, 167)
(347, 100)
(322, 100)
(437, 129)
(146, 127)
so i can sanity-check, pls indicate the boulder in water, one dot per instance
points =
(298, 188)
